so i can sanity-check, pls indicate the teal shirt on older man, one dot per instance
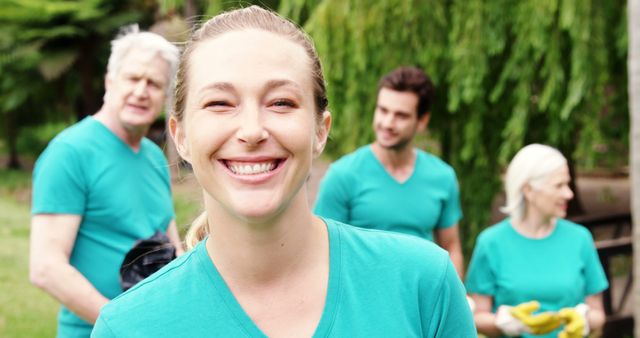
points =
(121, 195)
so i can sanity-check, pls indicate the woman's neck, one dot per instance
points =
(264, 252)
(534, 226)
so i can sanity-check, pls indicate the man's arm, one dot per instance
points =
(174, 237)
(52, 240)
(449, 239)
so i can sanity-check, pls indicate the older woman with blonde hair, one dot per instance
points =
(536, 274)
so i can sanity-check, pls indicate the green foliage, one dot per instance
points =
(34, 139)
(507, 74)
(13, 181)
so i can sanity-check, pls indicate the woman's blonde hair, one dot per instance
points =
(531, 165)
(252, 17)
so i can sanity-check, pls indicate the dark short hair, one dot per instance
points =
(411, 79)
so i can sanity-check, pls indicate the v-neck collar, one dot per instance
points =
(242, 318)
(104, 129)
(387, 173)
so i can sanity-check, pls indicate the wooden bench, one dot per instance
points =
(613, 239)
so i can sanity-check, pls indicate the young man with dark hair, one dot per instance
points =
(390, 184)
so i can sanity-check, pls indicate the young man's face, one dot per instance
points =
(395, 120)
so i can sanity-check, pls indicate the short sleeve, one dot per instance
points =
(101, 329)
(58, 181)
(595, 278)
(480, 275)
(333, 199)
(451, 211)
(452, 316)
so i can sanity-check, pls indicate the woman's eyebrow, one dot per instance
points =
(271, 84)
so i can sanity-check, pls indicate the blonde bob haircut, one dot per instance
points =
(532, 165)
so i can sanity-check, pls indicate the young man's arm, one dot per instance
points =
(52, 240)
(449, 239)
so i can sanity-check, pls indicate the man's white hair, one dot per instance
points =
(130, 38)
(531, 165)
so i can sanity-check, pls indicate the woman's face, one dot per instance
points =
(249, 128)
(552, 197)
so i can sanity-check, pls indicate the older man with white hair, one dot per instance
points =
(101, 185)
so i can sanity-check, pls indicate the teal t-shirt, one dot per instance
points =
(559, 271)
(122, 196)
(358, 190)
(380, 285)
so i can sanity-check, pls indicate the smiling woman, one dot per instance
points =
(250, 116)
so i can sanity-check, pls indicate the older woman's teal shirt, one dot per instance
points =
(559, 271)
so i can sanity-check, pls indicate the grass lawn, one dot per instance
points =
(25, 311)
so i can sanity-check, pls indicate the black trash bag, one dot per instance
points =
(146, 257)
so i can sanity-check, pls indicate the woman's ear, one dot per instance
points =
(177, 134)
(322, 133)
(527, 190)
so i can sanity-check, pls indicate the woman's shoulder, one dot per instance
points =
(159, 290)
(574, 229)
(496, 232)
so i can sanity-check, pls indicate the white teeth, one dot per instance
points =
(251, 169)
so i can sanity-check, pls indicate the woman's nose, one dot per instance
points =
(251, 130)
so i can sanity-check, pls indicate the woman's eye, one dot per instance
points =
(218, 106)
(284, 103)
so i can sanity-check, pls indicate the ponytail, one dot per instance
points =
(197, 232)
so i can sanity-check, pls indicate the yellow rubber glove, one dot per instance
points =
(541, 323)
(576, 325)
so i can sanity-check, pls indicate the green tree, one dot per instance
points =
(507, 73)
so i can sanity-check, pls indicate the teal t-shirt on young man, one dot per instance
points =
(358, 190)
(122, 196)
(559, 271)
(380, 285)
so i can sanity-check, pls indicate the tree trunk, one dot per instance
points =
(86, 67)
(12, 142)
(634, 158)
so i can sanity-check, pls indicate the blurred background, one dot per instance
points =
(507, 73)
